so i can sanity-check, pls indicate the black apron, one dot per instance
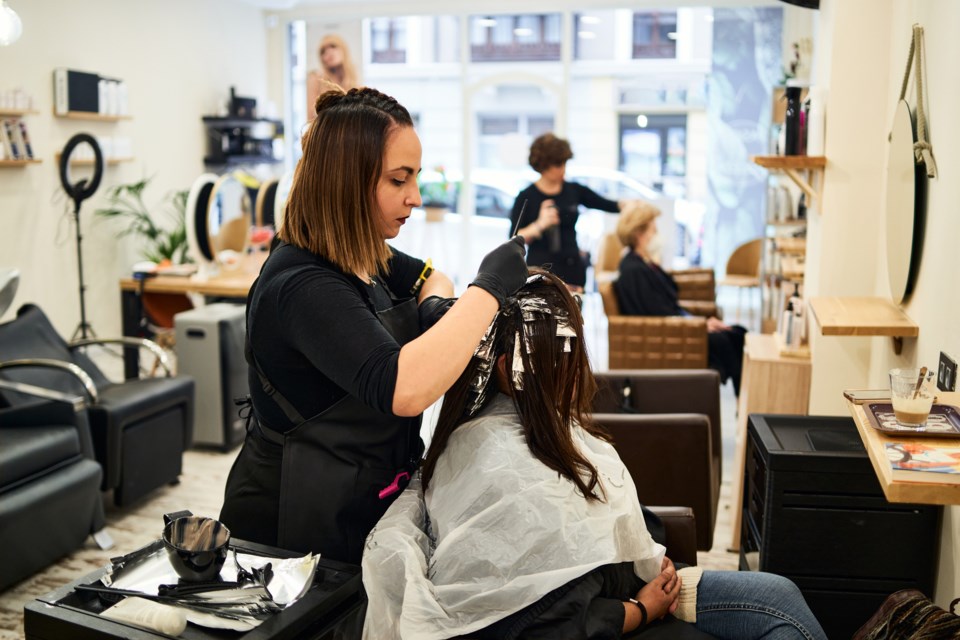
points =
(341, 468)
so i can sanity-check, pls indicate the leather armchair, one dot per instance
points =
(50, 498)
(139, 428)
(680, 527)
(652, 342)
(666, 428)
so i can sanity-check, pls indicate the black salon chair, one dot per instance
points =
(50, 498)
(140, 428)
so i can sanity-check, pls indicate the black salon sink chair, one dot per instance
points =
(140, 428)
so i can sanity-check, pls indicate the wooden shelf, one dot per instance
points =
(18, 163)
(786, 351)
(792, 268)
(922, 491)
(89, 163)
(17, 113)
(862, 316)
(84, 115)
(812, 166)
(790, 162)
(797, 246)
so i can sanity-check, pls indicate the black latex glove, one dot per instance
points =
(432, 309)
(504, 270)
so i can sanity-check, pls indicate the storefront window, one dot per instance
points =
(654, 34)
(515, 38)
(388, 40)
(653, 149)
(594, 35)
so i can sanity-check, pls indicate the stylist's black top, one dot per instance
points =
(317, 339)
(564, 260)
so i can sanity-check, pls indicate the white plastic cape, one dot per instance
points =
(503, 531)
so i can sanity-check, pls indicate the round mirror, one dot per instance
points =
(905, 189)
(229, 218)
(266, 203)
(280, 200)
(198, 238)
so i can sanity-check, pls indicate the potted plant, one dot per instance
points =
(437, 195)
(163, 244)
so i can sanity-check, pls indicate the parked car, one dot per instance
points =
(495, 191)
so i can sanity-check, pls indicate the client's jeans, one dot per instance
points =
(745, 604)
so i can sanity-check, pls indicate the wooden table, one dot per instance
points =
(233, 284)
(922, 492)
(770, 383)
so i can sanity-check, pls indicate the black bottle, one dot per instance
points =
(792, 122)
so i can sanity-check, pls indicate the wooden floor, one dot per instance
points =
(201, 491)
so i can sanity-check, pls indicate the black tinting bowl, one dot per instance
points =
(196, 546)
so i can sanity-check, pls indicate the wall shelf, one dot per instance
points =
(85, 115)
(811, 166)
(923, 491)
(17, 113)
(18, 163)
(863, 316)
(89, 162)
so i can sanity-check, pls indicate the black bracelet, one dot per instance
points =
(643, 612)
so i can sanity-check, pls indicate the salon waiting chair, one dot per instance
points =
(140, 428)
(666, 428)
(652, 342)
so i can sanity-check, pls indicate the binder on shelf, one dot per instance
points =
(26, 147)
(75, 91)
(12, 140)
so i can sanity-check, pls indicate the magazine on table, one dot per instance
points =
(924, 462)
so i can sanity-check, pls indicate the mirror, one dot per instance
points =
(219, 217)
(905, 206)
(266, 203)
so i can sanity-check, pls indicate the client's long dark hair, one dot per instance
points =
(558, 387)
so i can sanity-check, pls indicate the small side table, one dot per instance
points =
(769, 383)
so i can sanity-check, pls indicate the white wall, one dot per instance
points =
(863, 46)
(179, 59)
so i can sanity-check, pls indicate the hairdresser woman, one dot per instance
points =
(348, 340)
(551, 207)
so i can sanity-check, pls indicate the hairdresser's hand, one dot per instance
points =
(659, 596)
(432, 309)
(503, 271)
(548, 216)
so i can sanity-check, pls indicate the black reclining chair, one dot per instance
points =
(50, 498)
(666, 428)
(140, 428)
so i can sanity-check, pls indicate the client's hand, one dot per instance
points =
(715, 325)
(659, 596)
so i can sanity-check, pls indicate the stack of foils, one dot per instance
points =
(249, 589)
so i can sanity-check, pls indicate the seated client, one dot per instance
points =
(526, 523)
(645, 289)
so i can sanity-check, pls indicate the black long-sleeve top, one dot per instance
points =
(557, 247)
(644, 289)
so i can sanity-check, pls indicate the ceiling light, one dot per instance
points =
(10, 25)
(642, 121)
(522, 31)
(589, 20)
(487, 22)
(586, 35)
(672, 35)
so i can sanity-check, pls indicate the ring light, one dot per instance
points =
(79, 192)
(83, 189)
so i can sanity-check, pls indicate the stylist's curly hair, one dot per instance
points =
(331, 210)
(549, 151)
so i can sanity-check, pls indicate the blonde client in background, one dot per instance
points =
(528, 524)
(335, 67)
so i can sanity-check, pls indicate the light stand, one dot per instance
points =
(79, 192)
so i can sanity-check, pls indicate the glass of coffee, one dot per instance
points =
(912, 396)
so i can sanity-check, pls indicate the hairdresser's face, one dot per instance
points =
(331, 55)
(555, 173)
(397, 190)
